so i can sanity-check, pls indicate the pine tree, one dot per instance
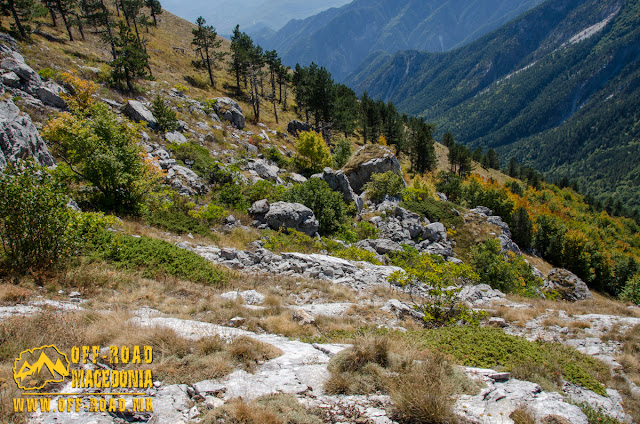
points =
(241, 47)
(132, 62)
(274, 63)
(155, 8)
(20, 11)
(206, 42)
(447, 140)
(513, 168)
(420, 143)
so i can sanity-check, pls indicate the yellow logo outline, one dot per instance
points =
(53, 370)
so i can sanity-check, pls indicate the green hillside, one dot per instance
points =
(340, 39)
(563, 78)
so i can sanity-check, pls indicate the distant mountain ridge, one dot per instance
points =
(558, 88)
(341, 38)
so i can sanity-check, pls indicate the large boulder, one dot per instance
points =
(435, 232)
(296, 216)
(568, 285)
(266, 171)
(139, 113)
(339, 182)
(19, 138)
(296, 126)
(368, 160)
(230, 110)
(51, 95)
(14, 62)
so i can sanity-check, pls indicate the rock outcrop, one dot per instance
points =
(568, 285)
(339, 182)
(19, 138)
(369, 160)
(283, 215)
(296, 126)
(229, 110)
(139, 113)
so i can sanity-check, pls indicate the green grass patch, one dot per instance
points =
(157, 258)
(434, 210)
(178, 222)
(543, 363)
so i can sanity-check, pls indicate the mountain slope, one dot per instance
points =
(341, 38)
(557, 88)
(255, 14)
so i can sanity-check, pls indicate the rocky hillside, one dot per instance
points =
(340, 39)
(274, 285)
(562, 77)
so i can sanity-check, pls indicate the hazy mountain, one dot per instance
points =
(558, 88)
(341, 38)
(272, 14)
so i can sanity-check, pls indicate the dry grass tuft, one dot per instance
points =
(425, 392)
(522, 415)
(249, 352)
(518, 316)
(270, 409)
(10, 293)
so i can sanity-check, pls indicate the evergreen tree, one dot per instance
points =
(155, 8)
(20, 11)
(513, 168)
(131, 62)
(447, 140)
(420, 145)
(521, 228)
(241, 46)
(345, 110)
(274, 63)
(206, 42)
(493, 159)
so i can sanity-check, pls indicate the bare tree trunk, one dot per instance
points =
(16, 19)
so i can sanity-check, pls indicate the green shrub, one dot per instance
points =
(203, 163)
(101, 149)
(596, 416)
(631, 291)
(157, 258)
(291, 241)
(263, 189)
(387, 184)
(341, 153)
(166, 117)
(509, 275)
(209, 106)
(354, 253)
(540, 362)
(37, 229)
(326, 204)
(313, 153)
(442, 281)
(434, 210)
(521, 228)
(48, 74)
(179, 215)
(274, 155)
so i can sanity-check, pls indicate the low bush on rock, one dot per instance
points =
(382, 185)
(508, 272)
(441, 282)
(157, 258)
(541, 362)
(326, 204)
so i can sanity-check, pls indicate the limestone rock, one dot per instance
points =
(230, 110)
(303, 317)
(51, 95)
(295, 126)
(19, 138)
(339, 182)
(480, 294)
(292, 215)
(175, 137)
(435, 232)
(369, 160)
(139, 113)
(568, 285)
